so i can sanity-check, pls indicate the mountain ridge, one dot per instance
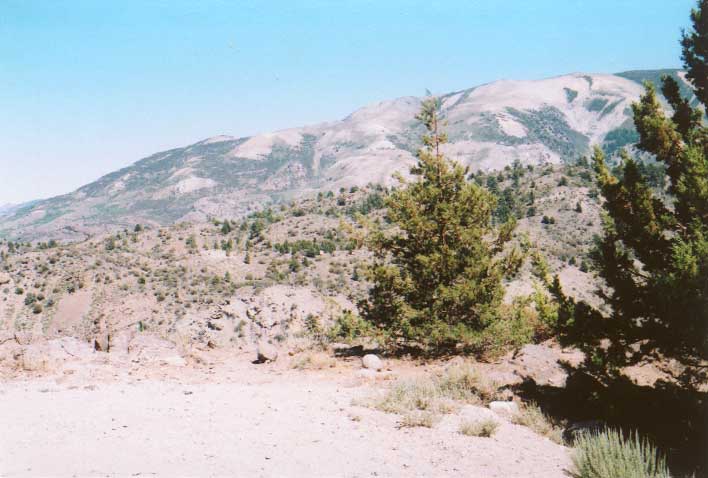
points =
(549, 120)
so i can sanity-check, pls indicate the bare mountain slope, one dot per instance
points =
(490, 126)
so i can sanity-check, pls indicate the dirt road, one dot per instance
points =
(246, 420)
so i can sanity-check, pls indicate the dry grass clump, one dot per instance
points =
(530, 415)
(479, 428)
(419, 419)
(607, 454)
(314, 361)
(437, 393)
(465, 383)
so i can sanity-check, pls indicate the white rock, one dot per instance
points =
(371, 362)
(119, 342)
(149, 348)
(507, 409)
(51, 355)
(266, 352)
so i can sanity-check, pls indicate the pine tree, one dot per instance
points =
(654, 252)
(695, 51)
(437, 277)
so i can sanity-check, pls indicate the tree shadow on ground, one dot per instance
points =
(672, 417)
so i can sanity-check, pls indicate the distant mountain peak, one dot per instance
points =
(489, 126)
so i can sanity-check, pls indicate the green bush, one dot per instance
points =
(30, 299)
(348, 327)
(608, 454)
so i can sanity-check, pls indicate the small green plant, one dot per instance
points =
(30, 299)
(313, 327)
(608, 454)
(481, 428)
(349, 327)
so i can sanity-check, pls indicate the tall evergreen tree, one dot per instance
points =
(695, 51)
(654, 251)
(437, 278)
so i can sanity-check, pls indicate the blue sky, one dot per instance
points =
(87, 87)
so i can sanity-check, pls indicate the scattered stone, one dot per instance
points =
(371, 362)
(266, 352)
(506, 409)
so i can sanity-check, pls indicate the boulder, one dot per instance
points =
(371, 362)
(119, 342)
(148, 348)
(543, 364)
(266, 352)
(10, 354)
(507, 409)
(52, 355)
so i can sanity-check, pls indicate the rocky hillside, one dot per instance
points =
(277, 274)
(490, 126)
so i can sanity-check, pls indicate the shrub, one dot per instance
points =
(314, 361)
(607, 454)
(530, 415)
(437, 393)
(349, 327)
(465, 383)
(419, 419)
(482, 428)
(313, 327)
(30, 299)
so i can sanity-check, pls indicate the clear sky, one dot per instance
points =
(87, 87)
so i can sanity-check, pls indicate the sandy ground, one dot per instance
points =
(241, 419)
